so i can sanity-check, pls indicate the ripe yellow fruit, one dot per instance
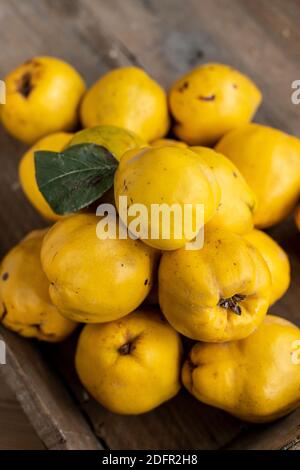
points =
(235, 210)
(53, 142)
(211, 100)
(276, 259)
(269, 160)
(127, 97)
(166, 176)
(256, 379)
(131, 365)
(115, 139)
(42, 97)
(218, 293)
(169, 143)
(95, 280)
(25, 305)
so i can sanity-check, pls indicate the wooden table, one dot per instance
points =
(16, 430)
(166, 37)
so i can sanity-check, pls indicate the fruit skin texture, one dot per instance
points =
(25, 305)
(276, 259)
(235, 211)
(169, 143)
(115, 139)
(127, 97)
(131, 365)
(269, 160)
(211, 100)
(256, 379)
(53, 142)
(42, 97)
(195, 286)
(166, 175)
(94, 280)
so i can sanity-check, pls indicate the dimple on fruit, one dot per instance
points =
(216, 294)
(269, 160)
(131, 365)
(25, 304)
(169, 176)
(53, 142)
(42, 97)
(211, 100)
(127, 97)
(256, 379)
(95, 280)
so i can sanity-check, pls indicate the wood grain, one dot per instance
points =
(167, 38)
(16, 430)
(46, 402)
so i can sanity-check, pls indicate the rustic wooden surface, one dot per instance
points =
(167, 37)
(16, 430)
(45, 400)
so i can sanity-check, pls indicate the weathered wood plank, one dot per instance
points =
(44, 399)
(282, 434)
(19, 433)
(258, 37)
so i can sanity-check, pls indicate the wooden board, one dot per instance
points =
(19, 433)
(167, 37)
(45, 400)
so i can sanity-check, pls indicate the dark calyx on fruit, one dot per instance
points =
(125, 349)
(232, 303)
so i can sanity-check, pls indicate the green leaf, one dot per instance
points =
(73, 179)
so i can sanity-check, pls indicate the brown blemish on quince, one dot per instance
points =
(207, 98)
(25, 83)
(25, 86)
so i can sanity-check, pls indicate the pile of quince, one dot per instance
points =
(139, 295)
